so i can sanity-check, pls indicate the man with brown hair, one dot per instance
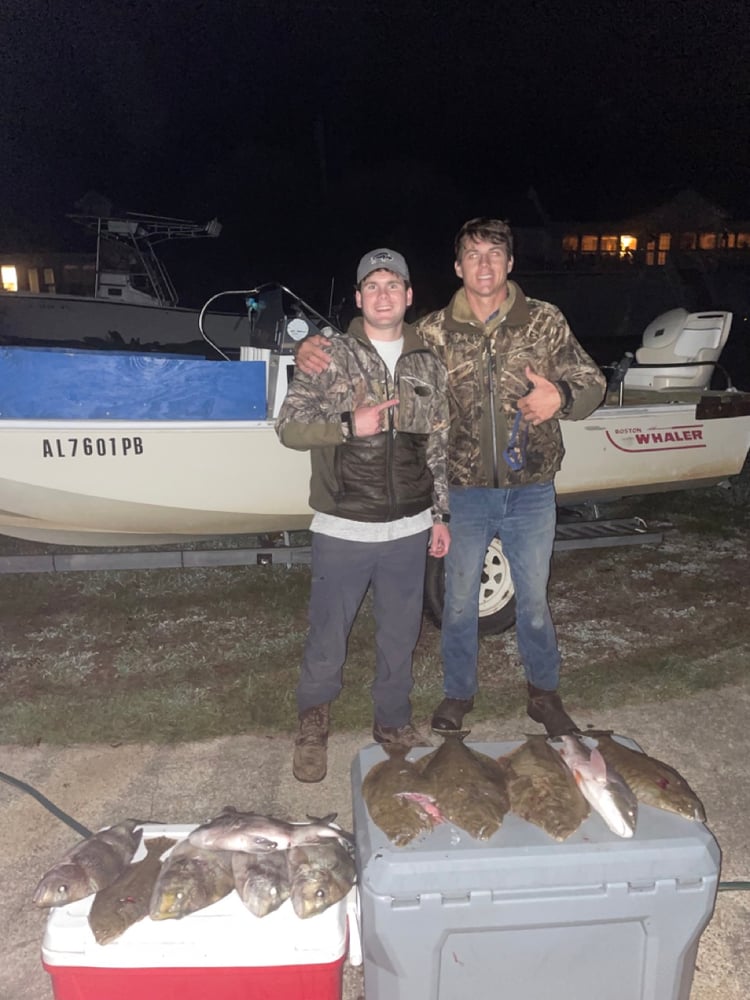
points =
(515, 370)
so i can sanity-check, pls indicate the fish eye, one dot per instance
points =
(319, 893)
(180, 894)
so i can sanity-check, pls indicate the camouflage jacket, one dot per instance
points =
(396, 473)
(486, 365)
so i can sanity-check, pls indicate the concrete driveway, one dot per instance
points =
(705, 737)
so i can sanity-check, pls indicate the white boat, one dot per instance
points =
(661, 427)
(121, 297)
(123, 449)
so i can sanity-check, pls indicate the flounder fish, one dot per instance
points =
(127, 900)
(469, 787)
(392, 790)
(542, 789)
(654, 782)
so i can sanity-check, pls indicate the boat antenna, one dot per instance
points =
(330, 295)
(97, 271)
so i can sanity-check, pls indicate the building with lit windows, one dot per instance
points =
(611, 278)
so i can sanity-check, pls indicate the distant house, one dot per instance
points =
(48, 273)
(612, 278)
(687, 231)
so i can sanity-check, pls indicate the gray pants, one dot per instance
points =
(341, 573)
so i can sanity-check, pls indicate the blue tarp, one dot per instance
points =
(39, 383)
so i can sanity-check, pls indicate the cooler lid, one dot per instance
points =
(221, 935)
(521, 857)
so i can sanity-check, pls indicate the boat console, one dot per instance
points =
(679, 350)
(278, 320)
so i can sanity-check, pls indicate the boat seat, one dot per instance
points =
(679, 350)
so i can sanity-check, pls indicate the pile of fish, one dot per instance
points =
(552, 782)
(266, 861)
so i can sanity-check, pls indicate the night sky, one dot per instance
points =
(316, 131)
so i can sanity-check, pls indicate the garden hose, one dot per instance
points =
(55, 810)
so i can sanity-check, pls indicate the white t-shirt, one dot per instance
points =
(379, 531)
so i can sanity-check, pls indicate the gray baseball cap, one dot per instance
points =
(382, 259)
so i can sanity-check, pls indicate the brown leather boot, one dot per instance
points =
(310, 757)
(546, 707)
(406, 736)
(448, 717)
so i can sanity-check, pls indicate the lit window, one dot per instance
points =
(10, 278)
(33, 276)
(743, 241)
(628, 244)
(570, 243)
(589, 244)
(609, 244)
(707, 241)
(657, 250)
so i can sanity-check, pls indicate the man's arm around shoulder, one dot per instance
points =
(313, 356)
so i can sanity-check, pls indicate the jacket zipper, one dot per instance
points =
(389, 443)
(493, 425)
(391, 431)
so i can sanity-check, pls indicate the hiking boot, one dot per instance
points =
(449, 715)
(399, 736)
(310, 763)
(546, 707)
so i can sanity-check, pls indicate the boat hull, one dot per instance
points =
(143, 482)
(130, 483)
(621, 451)
(127, 448)
(27, 318)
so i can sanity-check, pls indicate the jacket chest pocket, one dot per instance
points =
(416, 404)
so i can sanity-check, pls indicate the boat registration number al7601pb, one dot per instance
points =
(101, 447)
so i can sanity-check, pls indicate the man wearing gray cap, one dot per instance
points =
(376, 425)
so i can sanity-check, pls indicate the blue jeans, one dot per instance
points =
(524, 520)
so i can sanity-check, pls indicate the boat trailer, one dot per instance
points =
(278, 550)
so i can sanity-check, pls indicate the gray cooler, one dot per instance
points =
(524, 917)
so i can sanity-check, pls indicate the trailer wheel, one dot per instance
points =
(497, 597)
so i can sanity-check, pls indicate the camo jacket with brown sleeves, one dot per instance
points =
(486, 365)
(397, 473)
